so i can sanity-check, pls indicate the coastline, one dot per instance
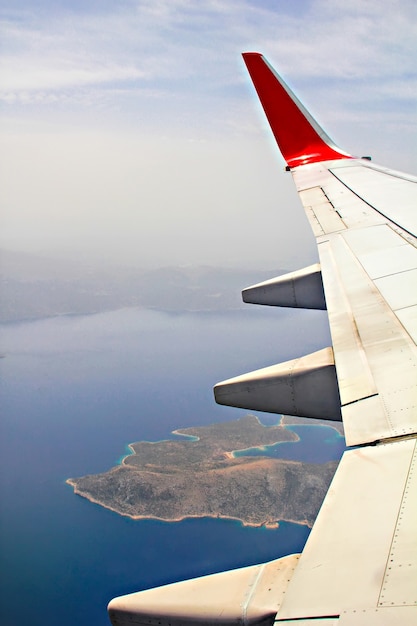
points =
(229, 454)
(270, 525)
(130, 445)
(235, 454)
(289, 420)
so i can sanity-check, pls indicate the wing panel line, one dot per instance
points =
(410, 229)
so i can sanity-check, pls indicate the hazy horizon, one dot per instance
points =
(130, 130)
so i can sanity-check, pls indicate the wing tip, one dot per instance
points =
(300, 138)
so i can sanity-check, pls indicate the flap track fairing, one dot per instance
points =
(301, 289)
(304, 387)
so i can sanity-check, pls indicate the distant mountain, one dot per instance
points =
(33, 286)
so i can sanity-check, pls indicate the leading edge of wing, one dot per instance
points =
(299, 137)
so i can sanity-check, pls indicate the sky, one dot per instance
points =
(131, 134)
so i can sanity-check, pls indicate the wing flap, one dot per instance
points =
(353, 372)
(369, 272)
(370, 509)
(374, 355)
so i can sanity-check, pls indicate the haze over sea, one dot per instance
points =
(75, 390)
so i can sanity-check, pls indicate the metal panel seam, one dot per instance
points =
(245, 605)
(400, 510)
(372, 395)
(371, 205)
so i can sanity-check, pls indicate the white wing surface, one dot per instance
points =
(359, 566)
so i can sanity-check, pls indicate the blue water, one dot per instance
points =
(74, 391)
(316, 444)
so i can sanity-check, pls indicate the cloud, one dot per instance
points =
(182, 40)
(37, 75)
(348, 40)
(176, 63)
(193, 151)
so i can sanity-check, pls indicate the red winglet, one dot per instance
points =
(299, 137)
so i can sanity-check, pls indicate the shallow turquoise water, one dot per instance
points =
(316, 444)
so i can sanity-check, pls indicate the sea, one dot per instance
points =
(74, 391)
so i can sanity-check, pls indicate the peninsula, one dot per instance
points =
(199, 476)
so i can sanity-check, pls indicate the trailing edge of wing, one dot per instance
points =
(364, 220)
(300, 138)
(360, 560)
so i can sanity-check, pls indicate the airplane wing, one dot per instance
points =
(359, 565)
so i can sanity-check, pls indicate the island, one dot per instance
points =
(198, 475)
